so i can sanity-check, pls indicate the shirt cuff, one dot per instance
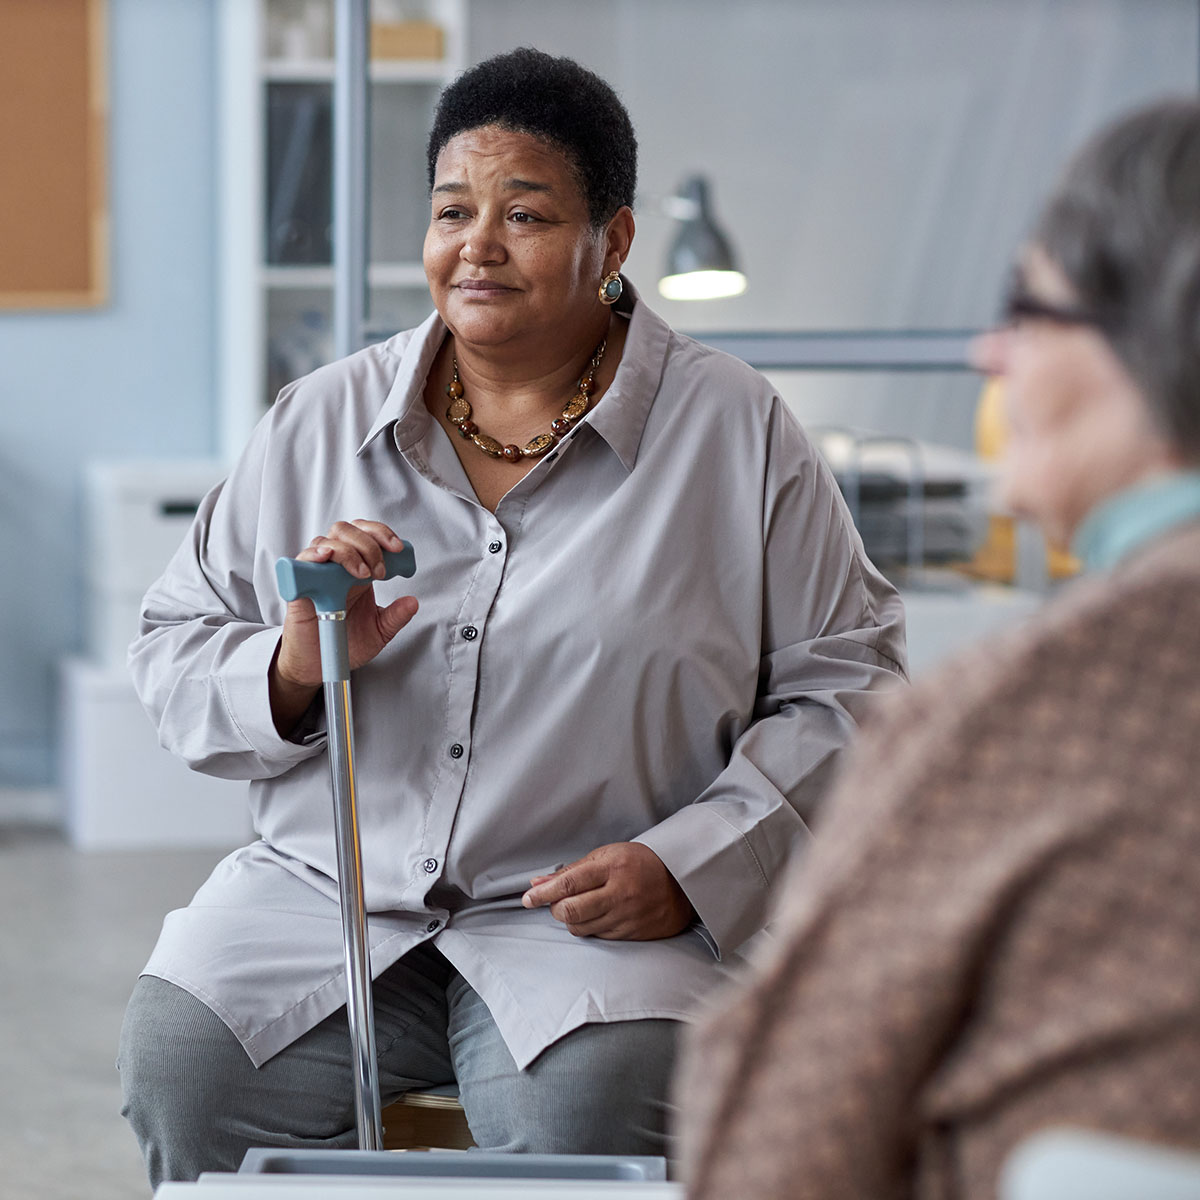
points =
(244, 684)
(719, 871)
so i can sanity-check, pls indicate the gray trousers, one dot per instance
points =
(197, 1103)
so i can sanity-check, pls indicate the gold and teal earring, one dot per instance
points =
(611, 288)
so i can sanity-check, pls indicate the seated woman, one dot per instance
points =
(998, 928)
(646, 630)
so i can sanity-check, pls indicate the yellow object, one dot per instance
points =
(991, 421)
(407, 39)
(996, 559)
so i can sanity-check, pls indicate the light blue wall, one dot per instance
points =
(131, 379)
(841, 236)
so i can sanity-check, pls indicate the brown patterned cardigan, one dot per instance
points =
(999, 927)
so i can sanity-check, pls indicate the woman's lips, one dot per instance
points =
(482, 287)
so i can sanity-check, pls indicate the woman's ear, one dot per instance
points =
(618, 237)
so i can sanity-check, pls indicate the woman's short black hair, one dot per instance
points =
(1123, 226)
(557, 101)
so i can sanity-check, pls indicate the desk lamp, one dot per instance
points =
(700, 263)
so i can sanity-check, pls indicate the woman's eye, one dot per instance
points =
(451, 214)
(523, 218)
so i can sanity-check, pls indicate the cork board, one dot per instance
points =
(53, 119)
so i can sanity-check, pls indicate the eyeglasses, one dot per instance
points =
(1020, 304)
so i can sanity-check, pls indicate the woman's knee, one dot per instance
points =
(179, 1064)
(601, 1089)
(175, 1052)
(196, 1101)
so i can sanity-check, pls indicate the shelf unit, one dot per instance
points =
(276, 279)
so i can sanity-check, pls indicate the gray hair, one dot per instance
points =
(1123, 225)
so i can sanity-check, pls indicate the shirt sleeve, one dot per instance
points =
(207, 639)
(832, 634)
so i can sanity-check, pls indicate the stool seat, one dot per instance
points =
(429, 1119)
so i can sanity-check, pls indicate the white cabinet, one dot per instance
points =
(121, 789)
(135, 516)
(276, 88)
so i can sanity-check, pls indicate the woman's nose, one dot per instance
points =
(988, 352)
(483, 244)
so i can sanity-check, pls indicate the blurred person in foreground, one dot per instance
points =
(998, 927)
(646, 630)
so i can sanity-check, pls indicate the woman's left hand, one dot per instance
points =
(621, 891)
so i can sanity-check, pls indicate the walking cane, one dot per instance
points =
(326, 585)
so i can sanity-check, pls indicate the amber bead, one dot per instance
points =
(512, 453)
(559, 426)
(454, 389)
(586, 385)
(468, 428)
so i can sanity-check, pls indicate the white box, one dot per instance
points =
(121, 789)
(111, 620)
(135, 516)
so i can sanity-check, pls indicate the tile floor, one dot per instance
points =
(75, 928)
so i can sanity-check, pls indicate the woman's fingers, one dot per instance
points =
(354, 549)
(622, 890)
(382, 533)
(357, 546)
(397, 614)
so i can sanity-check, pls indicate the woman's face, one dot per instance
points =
(1079, 429)
(510, 255)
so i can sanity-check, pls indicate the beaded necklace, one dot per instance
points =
(459, 415)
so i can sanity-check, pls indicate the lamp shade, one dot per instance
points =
(700, 262)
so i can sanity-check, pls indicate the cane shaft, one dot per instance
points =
(359, 1008)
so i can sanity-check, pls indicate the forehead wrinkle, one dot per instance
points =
(509, 185)
(526, 185)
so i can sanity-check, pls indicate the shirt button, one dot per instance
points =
(432, 926)
(470, 633)
(430, 865)
(456, 751)
(495, 547)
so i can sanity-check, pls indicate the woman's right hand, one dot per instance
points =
(295, 674)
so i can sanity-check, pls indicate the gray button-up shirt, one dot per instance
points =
(664, 633)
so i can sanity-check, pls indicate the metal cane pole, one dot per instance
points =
(326, 585)
(335, 677)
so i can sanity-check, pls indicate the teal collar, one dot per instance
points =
(1136, 515)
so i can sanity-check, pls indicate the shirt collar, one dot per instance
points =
(405, 403)
(1134, 516)
(619, 417)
